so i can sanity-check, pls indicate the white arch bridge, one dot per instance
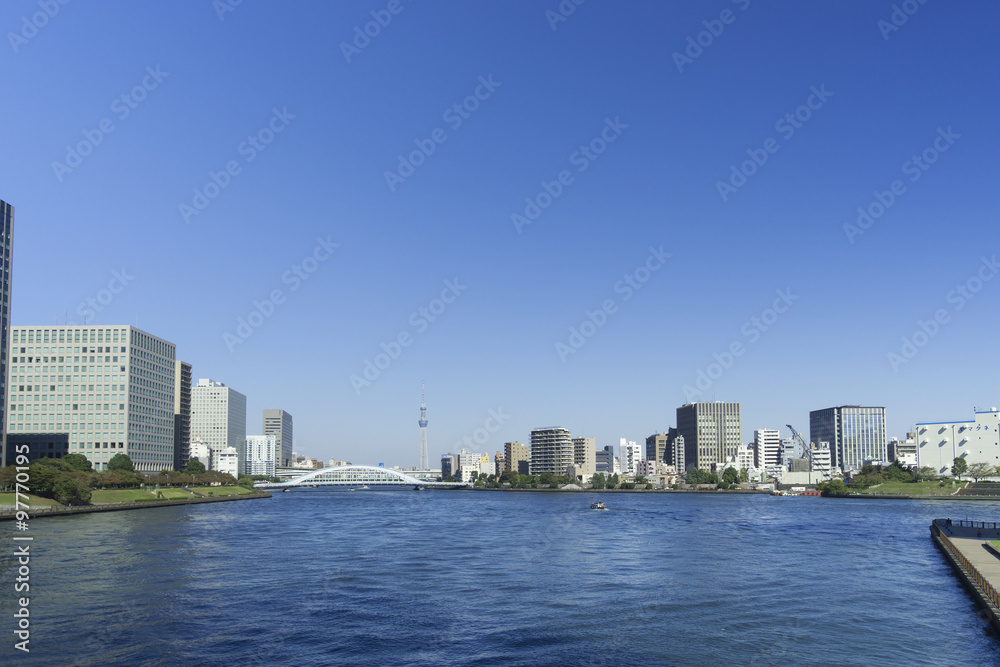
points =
(355, 476)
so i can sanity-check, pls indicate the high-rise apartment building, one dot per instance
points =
(6, 247)
(656, 447)
(261, 455)
(856, 434)
(767, 448)
(585, 455)
(630, 454)
(219, 418)
(711, 432)
(182, 414)
(551, 450)
(674, 454)
(517, 457)
(279, 424)
(103, 390)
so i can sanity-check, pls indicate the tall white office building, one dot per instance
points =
(93, 390)
(261, 455)
(767, 448)
(219, 418)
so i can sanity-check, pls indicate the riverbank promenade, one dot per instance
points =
(966, 546)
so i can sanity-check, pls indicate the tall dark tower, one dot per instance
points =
(6, 249)
(423, 429)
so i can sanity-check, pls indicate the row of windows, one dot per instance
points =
(74, 335)
(70, 350)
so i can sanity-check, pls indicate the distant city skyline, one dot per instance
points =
(588, 222)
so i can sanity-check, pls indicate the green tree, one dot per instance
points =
(69, 491)
(194, 467)
(897, 472)
(699, 476)
(744, 475)
(121, 461)
(597, 481)
(641, 480)
(977, 471)
(245, 481)
(613, 481)
(43, 477)
(730, 476)
(835, 487)
(959, 466)
(924, 473)
(77, 462)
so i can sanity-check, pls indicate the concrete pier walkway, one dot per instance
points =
(966, 546)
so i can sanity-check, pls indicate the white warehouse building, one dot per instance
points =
(977, 441)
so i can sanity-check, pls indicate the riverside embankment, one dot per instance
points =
(965, 545)
(8, 513)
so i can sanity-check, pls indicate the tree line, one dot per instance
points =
(70, 480)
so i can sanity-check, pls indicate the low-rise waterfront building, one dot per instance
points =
(903, 452)
(226, 460)
(976, 440)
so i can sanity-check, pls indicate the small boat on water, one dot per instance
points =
(599, 505)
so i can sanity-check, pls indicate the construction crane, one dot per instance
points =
(806, 450)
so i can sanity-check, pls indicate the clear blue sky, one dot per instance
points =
(611, 68)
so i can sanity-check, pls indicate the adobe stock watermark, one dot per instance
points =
(419, 322)
(914, 168)
(957, 298)
(381, 18)
(581, 158)
(295, 276)
(122, 107)
(454, 116)
(30, 25)
(223, 7)
(494, 421)
(562, 12)
(714, 28)
(901, 13)
(787, 125)
(594, 320)
(103, 298)
(751, 332)
(249, 149)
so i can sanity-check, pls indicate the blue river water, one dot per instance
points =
(331, 577)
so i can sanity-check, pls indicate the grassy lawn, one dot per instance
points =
(171, 494)
(914, 488)
(10, 499)
(120, 496)
(221, 490)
